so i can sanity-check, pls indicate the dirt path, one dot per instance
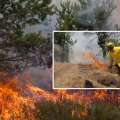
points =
(82, 76)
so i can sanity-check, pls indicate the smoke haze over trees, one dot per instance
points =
(15, 16)
(88, 15)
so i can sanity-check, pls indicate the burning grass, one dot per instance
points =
(94, 107)
(20, 101)
(74, 111)
(15, 106)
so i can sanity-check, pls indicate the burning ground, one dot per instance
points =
(94, 75)
(18, 96)
(20, 100)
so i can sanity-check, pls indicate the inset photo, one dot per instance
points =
(86, 60)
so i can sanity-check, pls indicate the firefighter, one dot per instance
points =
(114, 55)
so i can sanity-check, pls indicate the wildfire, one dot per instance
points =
(17, 100)
(94, 61)
(101, 94)
(12, 104)
(39, 94)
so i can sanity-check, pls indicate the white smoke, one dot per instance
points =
(84, 43)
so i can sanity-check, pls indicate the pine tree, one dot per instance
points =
(15, 16)
(84, 15)
(63, 39)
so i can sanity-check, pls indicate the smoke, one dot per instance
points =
(116, 13)
(85, 42)
(36, 76)
(50, 25)
(87, 15)
(41, 78)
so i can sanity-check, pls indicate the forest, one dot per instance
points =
(23, 49)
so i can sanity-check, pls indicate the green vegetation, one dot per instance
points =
(104, 37)
(61, 110)
(15, 16)
(104, 112)
(69, 110)
(84, 15)
(63, 39)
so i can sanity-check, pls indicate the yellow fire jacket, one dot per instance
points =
(114, 56)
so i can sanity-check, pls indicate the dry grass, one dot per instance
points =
(74, 76)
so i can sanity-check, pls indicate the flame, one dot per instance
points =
(39, 94)
(101, 94)
(12, 104)
(17, 100)
(94, 61)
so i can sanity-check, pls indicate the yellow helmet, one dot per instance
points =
(110, 45)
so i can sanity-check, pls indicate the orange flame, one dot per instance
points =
(17, 100)
(94, 61)
(12, 104)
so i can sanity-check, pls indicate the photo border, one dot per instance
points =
(53, 87)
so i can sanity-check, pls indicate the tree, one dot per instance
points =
(102, 13)
(63, 39)
(15, 15)
(104, 37)
(68, 14)
(84, 15)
